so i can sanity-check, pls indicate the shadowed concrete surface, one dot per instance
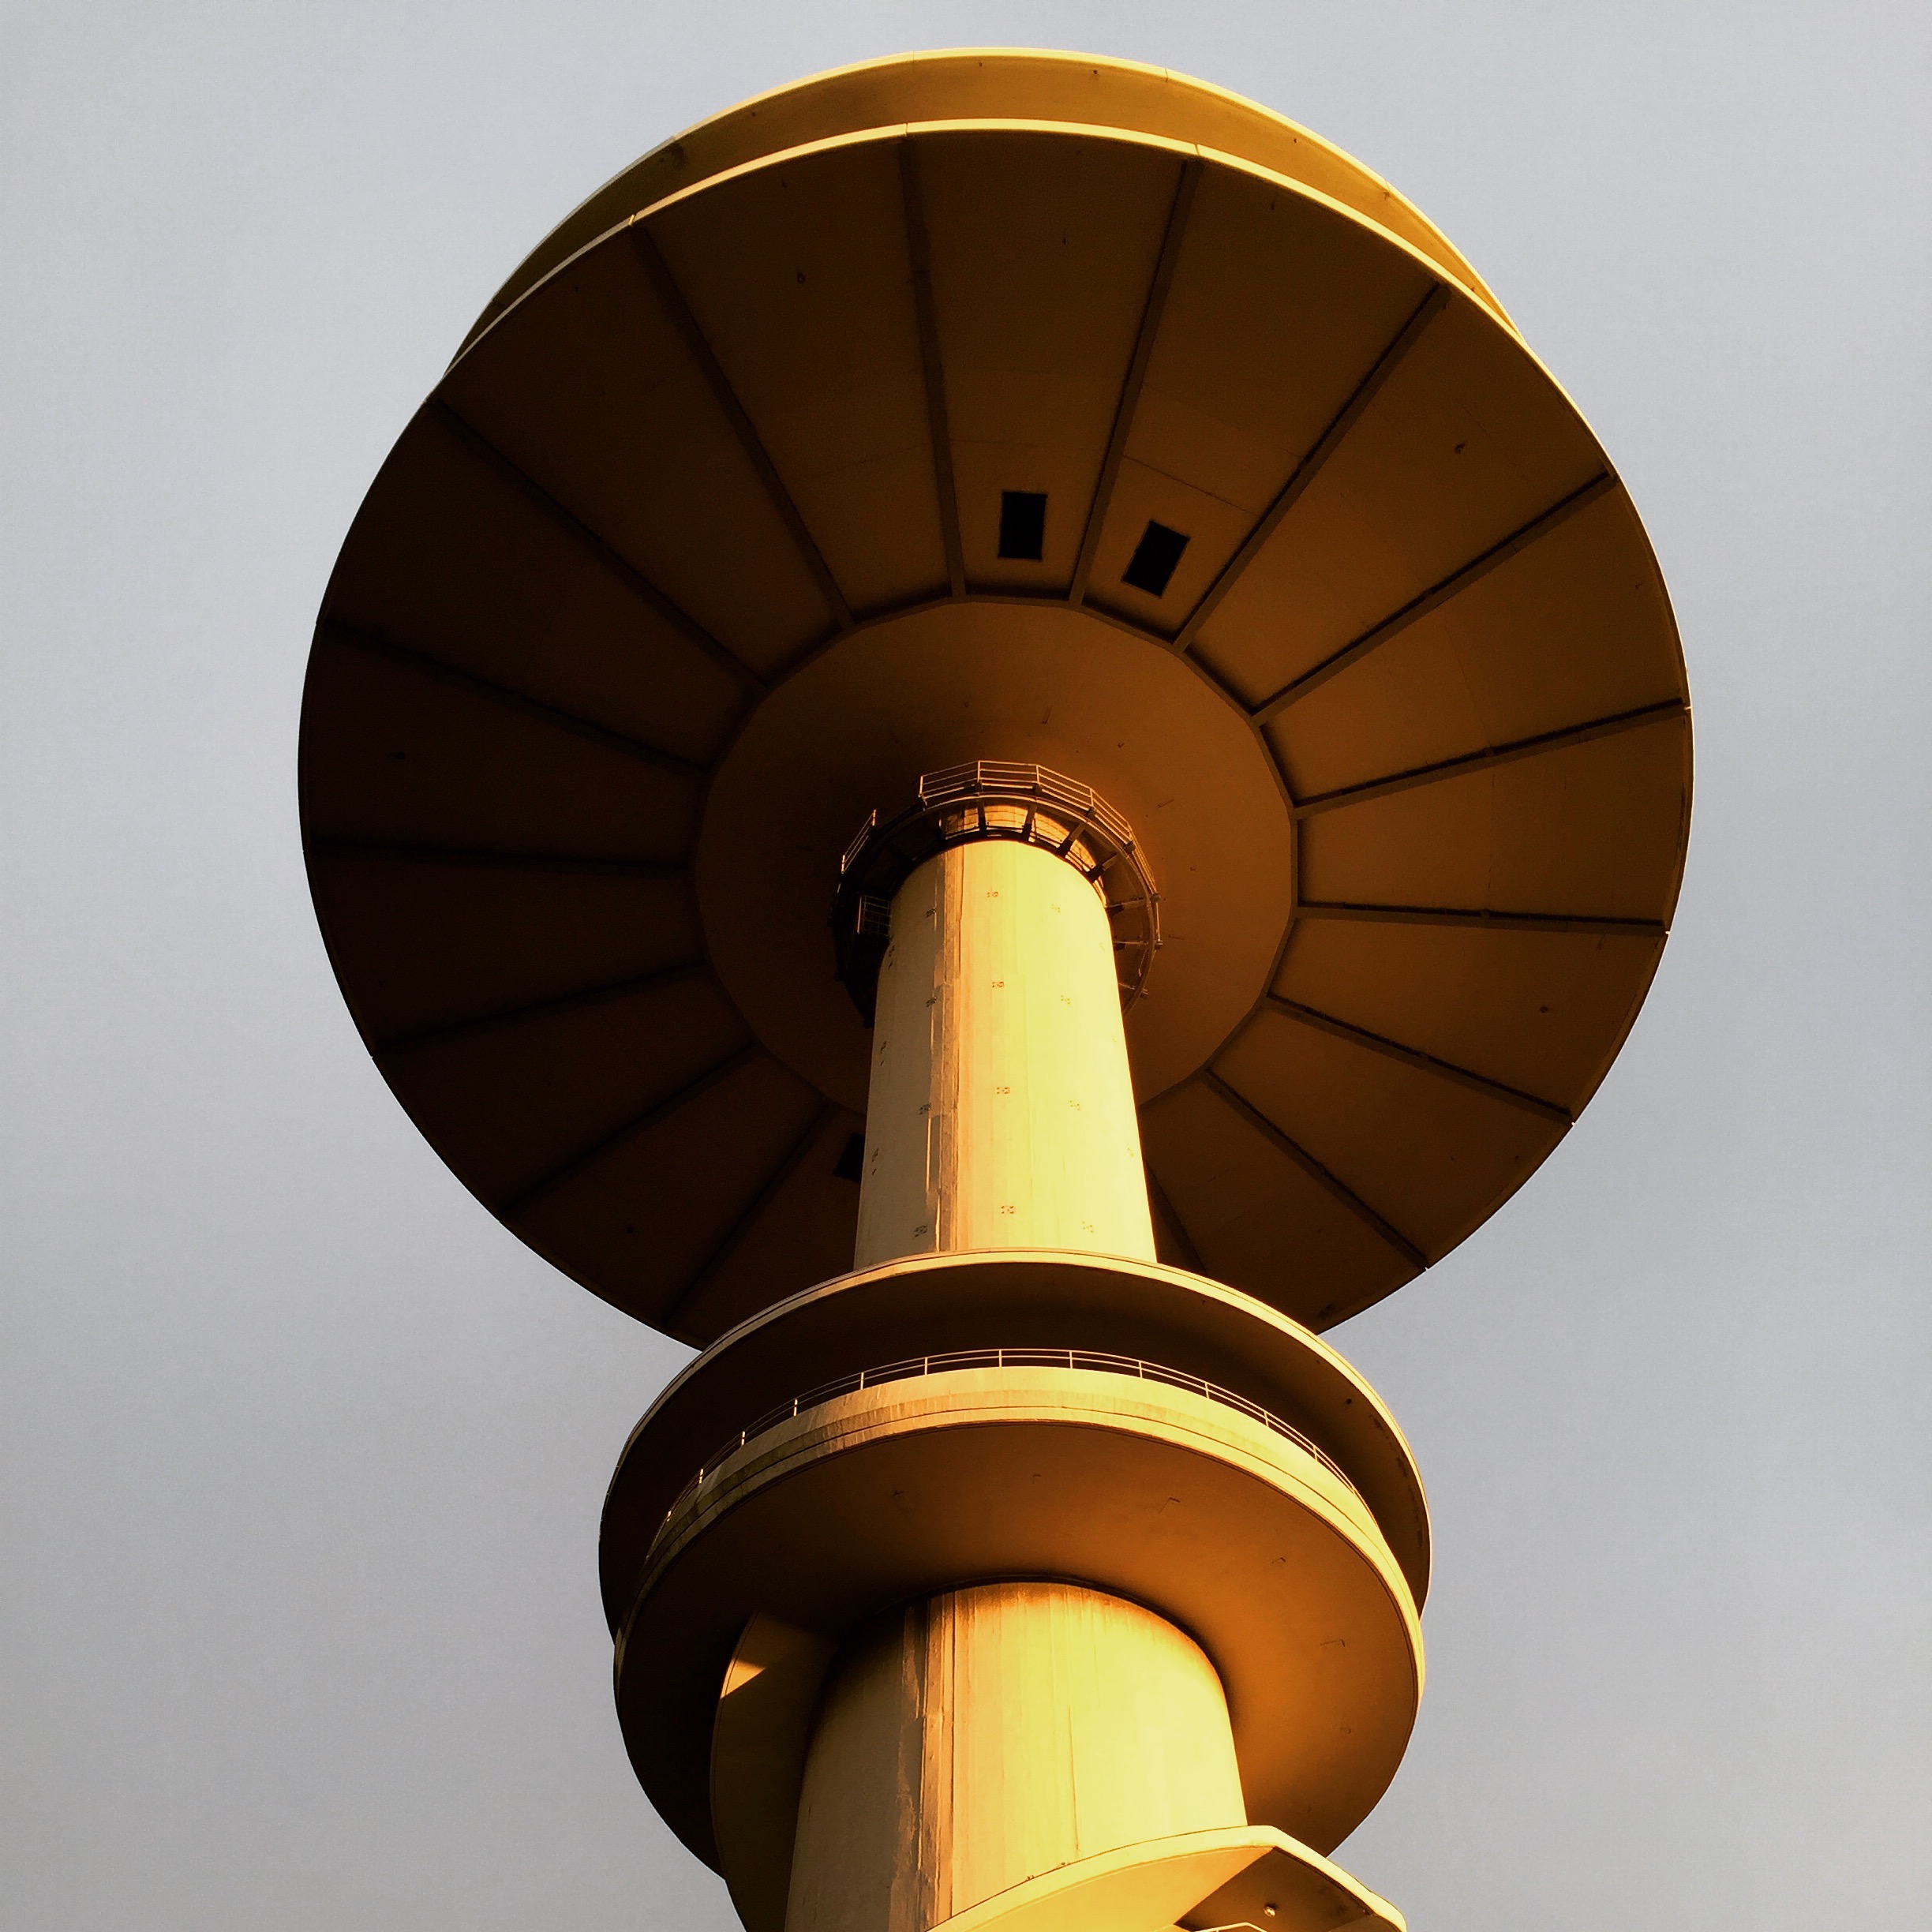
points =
(302, 1463)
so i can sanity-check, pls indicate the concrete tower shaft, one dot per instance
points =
(968, 1744)
(1001, 1112)
(1013, 1708)
(971, 1743)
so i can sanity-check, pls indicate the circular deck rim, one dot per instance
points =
(1059, 1298)
(788, 1529)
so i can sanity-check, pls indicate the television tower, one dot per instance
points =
(995, 750)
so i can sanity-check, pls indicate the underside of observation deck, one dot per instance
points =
(709, 532)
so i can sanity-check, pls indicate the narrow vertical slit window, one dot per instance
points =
(1022, 524)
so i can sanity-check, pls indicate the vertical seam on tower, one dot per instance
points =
(944, 1119)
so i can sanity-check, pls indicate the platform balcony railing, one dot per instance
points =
(913, 1366)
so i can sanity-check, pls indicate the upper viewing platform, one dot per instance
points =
(1015, 407)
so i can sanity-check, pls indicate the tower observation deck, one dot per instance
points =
(995, 750)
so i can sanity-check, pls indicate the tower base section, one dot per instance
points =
(1135, 1487)
(992, 1735)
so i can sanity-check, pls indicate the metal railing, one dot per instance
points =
(994, 799)
(997, 778)
(913, 1366)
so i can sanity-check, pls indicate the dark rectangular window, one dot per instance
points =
(1155, 556)
(850, 1166)
(1022, 524)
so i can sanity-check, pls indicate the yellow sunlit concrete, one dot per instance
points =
(1029, 1724)
(1001, 1112)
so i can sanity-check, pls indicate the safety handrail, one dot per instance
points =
(912, 1366)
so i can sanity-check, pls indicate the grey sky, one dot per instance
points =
(302, 1455)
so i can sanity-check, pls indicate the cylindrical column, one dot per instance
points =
(1001, 1112)
(972, 1743)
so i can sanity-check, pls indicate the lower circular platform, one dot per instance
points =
(1250, 1544)
(1009, 1299)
